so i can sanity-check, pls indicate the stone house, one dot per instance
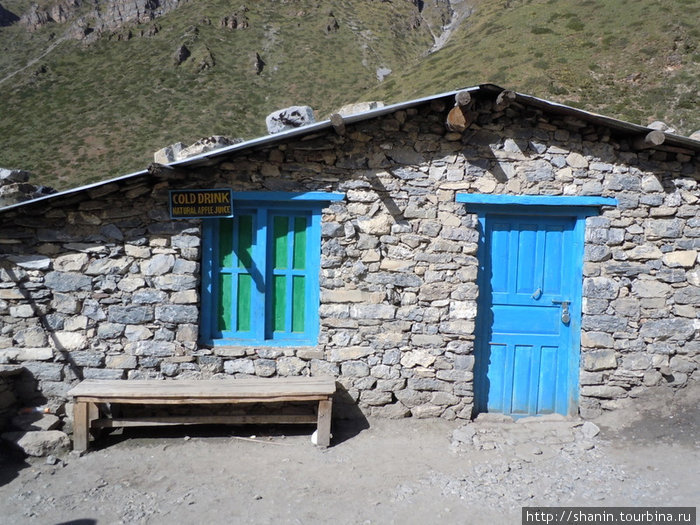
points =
(479, 250)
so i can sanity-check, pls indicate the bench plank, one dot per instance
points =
(259, 419)
(205, 389)
(89, 393)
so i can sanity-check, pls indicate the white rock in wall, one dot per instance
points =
(289, 118)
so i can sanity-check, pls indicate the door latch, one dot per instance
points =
(565, 315)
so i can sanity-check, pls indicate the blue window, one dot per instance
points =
(260, 270)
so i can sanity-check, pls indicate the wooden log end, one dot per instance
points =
(650, 140)
(338, 123)
(457, 120)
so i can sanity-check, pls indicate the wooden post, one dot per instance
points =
(338, 123)
(81, 426)
(651, 139)
(323, 430)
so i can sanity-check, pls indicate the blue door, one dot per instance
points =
(530, 288)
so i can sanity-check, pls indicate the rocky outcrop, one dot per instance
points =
(14, 187)
(105, 16)
(238, 20)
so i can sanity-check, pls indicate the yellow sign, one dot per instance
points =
(199, 204)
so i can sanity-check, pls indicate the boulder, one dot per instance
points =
(289, 118)
(39, 443)
(359, 107)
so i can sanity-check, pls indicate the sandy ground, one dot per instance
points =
(376, 472)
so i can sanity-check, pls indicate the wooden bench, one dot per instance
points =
(88, 394)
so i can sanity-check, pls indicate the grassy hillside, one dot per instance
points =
(88, 112)
(637, 60)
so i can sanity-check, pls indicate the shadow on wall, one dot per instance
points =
(348, 419)
(65, 356)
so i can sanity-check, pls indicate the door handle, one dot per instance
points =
(565, 315)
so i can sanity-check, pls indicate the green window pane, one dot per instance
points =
(245, 241)
(224, 306)
(245, 285)
(298, 302)
(280, 227)
(279, 303)
(299, 259)
(225, 242)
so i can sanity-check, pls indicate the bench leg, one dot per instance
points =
(81, 426)
(323, 431)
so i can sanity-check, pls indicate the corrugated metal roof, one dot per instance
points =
(210, 157)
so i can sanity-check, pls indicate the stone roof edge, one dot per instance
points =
(209, 157)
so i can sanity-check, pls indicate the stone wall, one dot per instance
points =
(102, 284)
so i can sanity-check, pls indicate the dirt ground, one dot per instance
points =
(377, 472)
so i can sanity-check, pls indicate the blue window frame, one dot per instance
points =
(260, 270)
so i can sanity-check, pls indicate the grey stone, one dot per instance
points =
(65, 303)
(31, 337)
(600, 287)
(676, 329)
(655, 229)
(176, 283)
(149, 296)
(151, 348)
(324, 368)
(45, 371)
(603, 391)
(375, 397)
(404, 280)
(169, 369)
(110, 330)
(123, 361)
(354, 369)
(392, 411)
(177, 313)
(265, 367)
(93, 310)
(239, 366)
(93, 359)
(67, 281)
(687, 295)
(372, 311)
(606, 323)
(31, 262)
(130, 314)
(650, 289)
(599, 360)
(596, 339)
(289, 118)
(106, 266)
(683, 365)
(102, 373)
(39, 443)
(290, 366)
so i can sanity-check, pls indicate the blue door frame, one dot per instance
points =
(527, 347)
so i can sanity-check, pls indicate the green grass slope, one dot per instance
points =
(636, 60)
(90, 112)
(75, 113)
